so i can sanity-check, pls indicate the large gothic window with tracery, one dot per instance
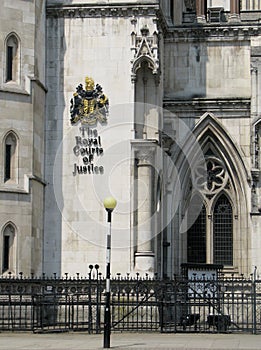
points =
(210, 237)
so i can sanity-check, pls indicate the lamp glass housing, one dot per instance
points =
(109, 203)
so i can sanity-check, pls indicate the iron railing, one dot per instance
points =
(137, 304)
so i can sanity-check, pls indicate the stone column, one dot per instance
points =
(167, 9)
(254, 83)
(144, 156)
(234, 11)
(177, 12)
(201, 9)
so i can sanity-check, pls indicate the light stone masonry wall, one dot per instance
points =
(219, 3)
(21, 106)
(204, 68)
(75, 219)
(213, 74)
(207, 70)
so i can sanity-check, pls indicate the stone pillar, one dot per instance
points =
(145, 157)
(234, 11)
(254, 83)
(177, 12)
(167, 7)
(201, 10)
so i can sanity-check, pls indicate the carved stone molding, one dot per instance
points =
(144, 157)
(145, 48)
(232, 107)
(254, 69)
(211, 33)
(144, 152)
(167, 143)
(103, 10)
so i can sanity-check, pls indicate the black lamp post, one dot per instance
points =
(109, 204)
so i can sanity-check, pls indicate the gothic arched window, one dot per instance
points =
(8, 249)
(10, 158)
(210, 236)
(12, 59)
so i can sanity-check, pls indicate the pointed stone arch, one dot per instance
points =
(209, 128)
(211, 138)
(144, 59)
(212, 135)
(8, 253)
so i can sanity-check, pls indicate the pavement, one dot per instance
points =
(129, 341)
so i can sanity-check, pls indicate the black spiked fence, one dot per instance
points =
(138, 303)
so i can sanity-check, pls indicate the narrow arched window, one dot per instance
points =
(223, 232)
(12, 59)
(8, 249)
(10, 158)
(196, 239)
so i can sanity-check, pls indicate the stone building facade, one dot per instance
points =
(156, 103)
(22, 108)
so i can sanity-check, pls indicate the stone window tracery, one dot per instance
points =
(213, 228)
(216, 176)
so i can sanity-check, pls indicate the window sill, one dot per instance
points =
(12, 188)
(14, 88)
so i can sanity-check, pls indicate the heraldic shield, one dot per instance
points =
(89, 105)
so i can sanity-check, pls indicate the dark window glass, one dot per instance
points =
(171, 9)
(8, 149)
(6, 253)
(223, 232)
(9, 65)
(196, 239)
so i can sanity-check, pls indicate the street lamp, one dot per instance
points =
(109, 204)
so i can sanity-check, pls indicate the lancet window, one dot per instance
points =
(8, 249)
(10, 158)
(12, 59)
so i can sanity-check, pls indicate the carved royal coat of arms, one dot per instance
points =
(90, 105)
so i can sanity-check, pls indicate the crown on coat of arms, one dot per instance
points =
(89, 105)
